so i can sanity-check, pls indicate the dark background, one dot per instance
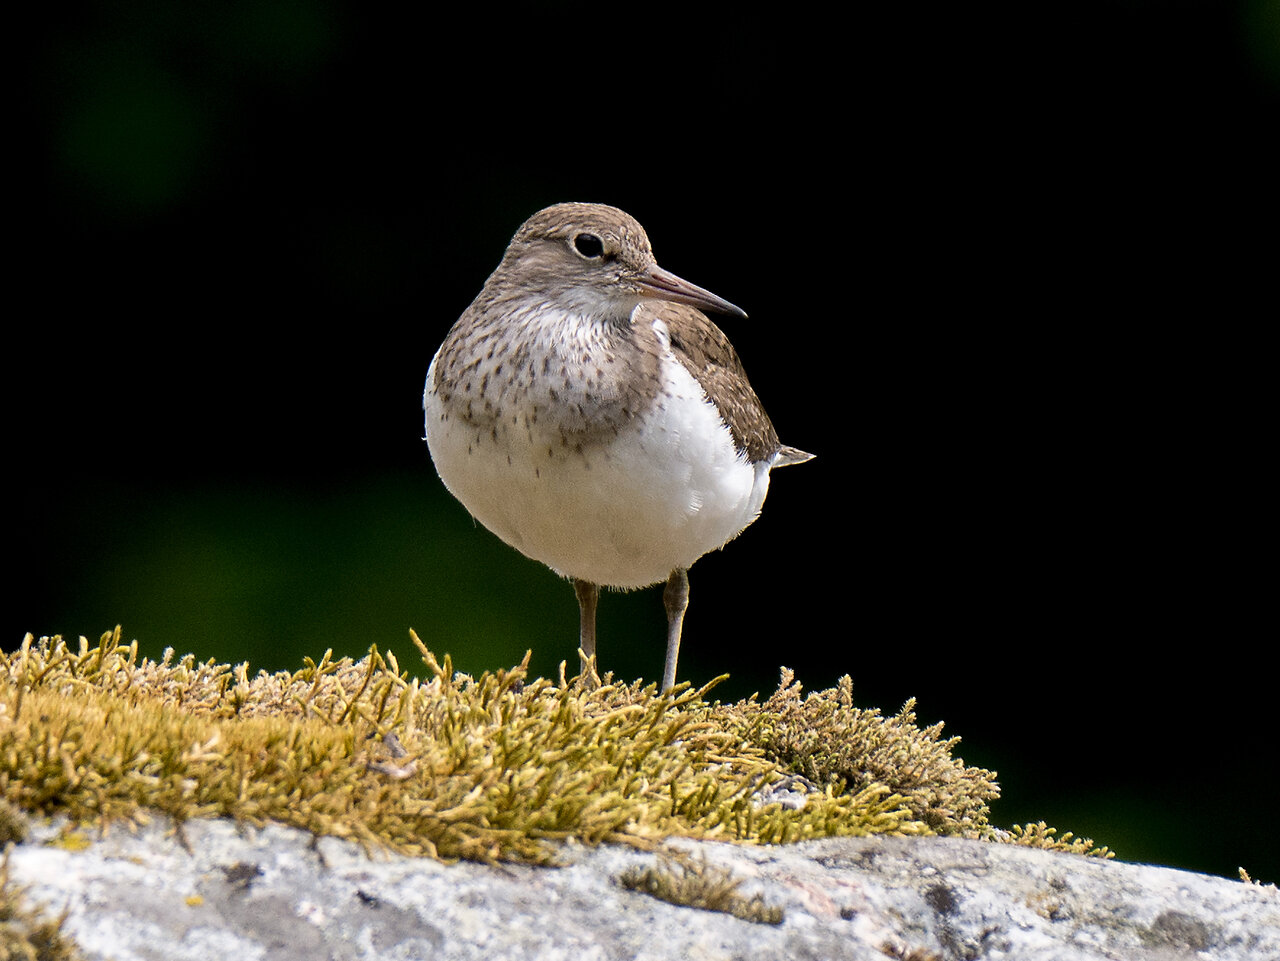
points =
(1001, 267)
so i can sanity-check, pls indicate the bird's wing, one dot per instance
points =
(706, 353)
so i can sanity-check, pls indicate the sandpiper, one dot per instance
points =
(587, 412)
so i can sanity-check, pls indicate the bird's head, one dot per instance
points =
(594, 260)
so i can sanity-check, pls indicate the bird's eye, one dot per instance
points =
(589, 245)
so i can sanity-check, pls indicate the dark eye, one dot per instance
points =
(589, 245)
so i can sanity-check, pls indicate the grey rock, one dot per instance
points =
(279, 895)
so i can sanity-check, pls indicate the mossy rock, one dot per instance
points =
(488, 768)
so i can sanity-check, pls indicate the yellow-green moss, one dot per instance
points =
(451, 766)
(1244, 876)
(13, 824)
(1040, 835)
(697, 884)
(26, 933)
(829, 741)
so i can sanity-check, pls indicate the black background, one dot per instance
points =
(1007, 275)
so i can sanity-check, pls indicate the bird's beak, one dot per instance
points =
(665, 285)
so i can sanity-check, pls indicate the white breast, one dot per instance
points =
(668, 489)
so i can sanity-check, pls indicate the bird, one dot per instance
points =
(586, 410)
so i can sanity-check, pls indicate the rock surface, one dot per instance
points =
(275, 894)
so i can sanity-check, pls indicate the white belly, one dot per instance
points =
(665, 491)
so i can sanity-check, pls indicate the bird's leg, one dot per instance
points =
(675, 598)
(588, 595)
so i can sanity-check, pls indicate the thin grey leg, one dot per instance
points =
(675, 597)
(588, 595)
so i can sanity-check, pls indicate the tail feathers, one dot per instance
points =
(790, 455)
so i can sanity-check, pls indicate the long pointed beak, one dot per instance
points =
(665, 285)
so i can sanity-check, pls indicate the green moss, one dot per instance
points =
(451, 766)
